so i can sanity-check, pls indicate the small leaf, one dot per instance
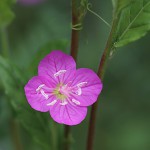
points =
(132, 20)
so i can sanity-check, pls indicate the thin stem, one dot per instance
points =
(16, 135)
(54, 135)
(74, 33)
(67, 136)
(94, 13)
(4, 43)
(101, 71)
(74, 43)
(74, 52)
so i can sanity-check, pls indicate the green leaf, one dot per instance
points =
(9, 75)
(6, 14)
(40, 126)
(37, 125)
(132, 20)
(120, 4)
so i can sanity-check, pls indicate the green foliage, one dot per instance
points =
(10, 75)
(6, 15)
(43, 130)
(132, 20)
(38, 124)
(120, 4)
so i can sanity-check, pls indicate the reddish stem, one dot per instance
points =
(74, 33)
(74, 52)
(16, 135)
(92, 121)
(101, 71)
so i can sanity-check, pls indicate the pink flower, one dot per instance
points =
(62, 90)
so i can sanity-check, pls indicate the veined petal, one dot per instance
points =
(58, 66)
(68, 114)
(38, 94)
(89, 84)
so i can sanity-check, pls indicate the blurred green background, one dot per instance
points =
(123, 120)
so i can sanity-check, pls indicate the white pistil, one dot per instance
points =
(59, 73)
(44, 94)
(64, 103)
(81, 84)
(52, 103)
(39, 88)
(76, 102)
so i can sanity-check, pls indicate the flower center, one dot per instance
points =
(61, 91)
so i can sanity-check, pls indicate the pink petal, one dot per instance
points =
(54, 66)
(38, 97)
(90, 89)
(68, 114)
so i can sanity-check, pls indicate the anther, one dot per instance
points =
(39, 88)
(52, 103)
(81, 84)
(44, 94)
(59, 73)
(78, 91)
(76, 102)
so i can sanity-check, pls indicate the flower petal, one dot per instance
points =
(39, 94)
(86, 86)
(58, 66)
(68, 114)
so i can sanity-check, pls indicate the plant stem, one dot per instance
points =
(74, 33)
(101, 71)
(54, 135)
(74, 52)
(4, 43)
(67, 137)
(15, 135)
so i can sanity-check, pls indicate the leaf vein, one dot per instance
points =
(142, 9)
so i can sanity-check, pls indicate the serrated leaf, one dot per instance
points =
(132, 20)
